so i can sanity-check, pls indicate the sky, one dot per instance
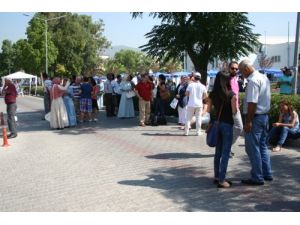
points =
(121, 29)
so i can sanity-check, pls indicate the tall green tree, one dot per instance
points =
(79, 41)
(25, 57)
(36, 32)
(6, 58)
(203, 35)
(129, 59)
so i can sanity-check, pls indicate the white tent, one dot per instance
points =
(21, 76)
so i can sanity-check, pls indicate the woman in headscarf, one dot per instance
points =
(126, 109)
(58, 114)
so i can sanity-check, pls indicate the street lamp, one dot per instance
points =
(46, 38)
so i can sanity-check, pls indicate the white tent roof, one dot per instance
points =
(20, 75)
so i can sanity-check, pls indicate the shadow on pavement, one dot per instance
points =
(176, 156)
(163, 134)
(193, 189)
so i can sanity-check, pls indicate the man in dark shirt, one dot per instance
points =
(10, 98)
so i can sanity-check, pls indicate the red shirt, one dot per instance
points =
(144, 90)
(10, 94)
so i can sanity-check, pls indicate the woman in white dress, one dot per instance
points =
(58, 114)
(126, 109)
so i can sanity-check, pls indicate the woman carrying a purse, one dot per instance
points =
(162, 97)
(223, 100)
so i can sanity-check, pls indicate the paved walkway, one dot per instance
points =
(115, 165)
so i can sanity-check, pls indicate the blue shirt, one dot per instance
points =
(86, 90)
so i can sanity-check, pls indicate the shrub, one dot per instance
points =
(276, 98)
(39, 91)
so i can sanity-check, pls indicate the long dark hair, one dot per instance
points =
(221, 89)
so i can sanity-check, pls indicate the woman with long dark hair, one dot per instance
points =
(223, 100)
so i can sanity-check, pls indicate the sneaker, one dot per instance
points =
(252, 182)
(90, 120)
(95, 119)
(12, 136)
(142, 125)
(80, 121)
(199, 133)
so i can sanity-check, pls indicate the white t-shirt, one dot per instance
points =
(196, 91)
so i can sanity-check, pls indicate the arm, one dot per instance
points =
(289, 125)
(234, 104)
(250, 116)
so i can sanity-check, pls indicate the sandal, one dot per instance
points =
(216, 181)
(277, 149)
(225, 184)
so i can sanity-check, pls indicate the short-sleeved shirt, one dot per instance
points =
(196, 91)
(286, 85)
(258, 91)
(144, 90)
(235, 88)
(86, 90)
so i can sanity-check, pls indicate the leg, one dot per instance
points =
(198, 112)
(11, 122)
(226, 134)
(190, 113)
(265, 157)
(147, 111)
(252, 144)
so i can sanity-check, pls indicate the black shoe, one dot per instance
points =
(12, 136)
(252, 182)
(268, 178)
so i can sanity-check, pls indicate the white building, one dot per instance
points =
(282, 55)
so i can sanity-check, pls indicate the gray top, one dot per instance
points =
(258, 91)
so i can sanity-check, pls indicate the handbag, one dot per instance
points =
(130, 94)
(164, 94)
(212, 136)
(237, 126)
(174, 103)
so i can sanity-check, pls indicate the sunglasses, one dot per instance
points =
(232, 68)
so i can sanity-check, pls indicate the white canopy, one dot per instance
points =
(21, 75)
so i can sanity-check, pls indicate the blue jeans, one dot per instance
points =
(283, 133)
(223, 149)
(257, 150)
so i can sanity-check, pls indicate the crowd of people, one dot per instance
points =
(69, 102)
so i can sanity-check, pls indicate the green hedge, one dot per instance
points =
(39, 91)
(276, 98)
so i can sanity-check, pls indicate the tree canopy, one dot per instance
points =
(203, 35)
(74, 43)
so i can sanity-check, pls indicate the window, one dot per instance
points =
(275, 59)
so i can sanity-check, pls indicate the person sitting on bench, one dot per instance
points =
(288, 123)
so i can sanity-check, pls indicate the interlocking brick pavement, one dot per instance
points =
(115, 165)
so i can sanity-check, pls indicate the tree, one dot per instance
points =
(203, 35)
(6, 57)
(26, 57)
(36, 38)
(79, 42)
(264, 61)
(130, 59)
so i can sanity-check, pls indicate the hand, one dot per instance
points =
(248, 127)
(276, 124)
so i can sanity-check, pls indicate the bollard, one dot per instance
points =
(4, 133)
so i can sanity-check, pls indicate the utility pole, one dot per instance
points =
(288, 47)
(296, 54)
